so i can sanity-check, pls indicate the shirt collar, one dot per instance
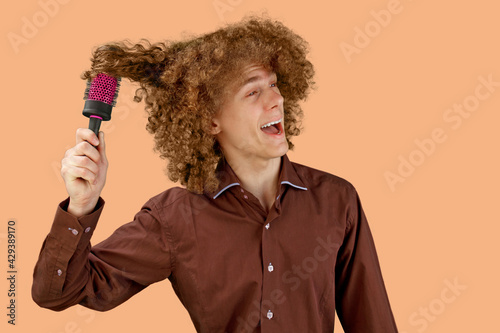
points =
(227, 178)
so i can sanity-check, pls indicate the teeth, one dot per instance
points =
(272, 123)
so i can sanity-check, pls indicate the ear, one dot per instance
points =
(215, 127)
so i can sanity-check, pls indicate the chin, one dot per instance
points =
(282, 150)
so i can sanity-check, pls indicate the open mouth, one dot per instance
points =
(273, 128)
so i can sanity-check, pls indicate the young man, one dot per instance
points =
(254, 242)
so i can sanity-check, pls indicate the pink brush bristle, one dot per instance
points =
(103, 88)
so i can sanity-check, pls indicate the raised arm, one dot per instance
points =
(69, 271)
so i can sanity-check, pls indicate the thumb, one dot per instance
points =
(102, 145)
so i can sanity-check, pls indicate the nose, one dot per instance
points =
(273, 99)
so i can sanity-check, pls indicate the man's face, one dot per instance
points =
(249, 124)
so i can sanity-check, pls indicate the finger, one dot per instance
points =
(85, 134)
(81, 162)
(69, 172)
(86, 149)
(102, 147)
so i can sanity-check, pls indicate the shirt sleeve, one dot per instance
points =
(70, 271)
(361, 297)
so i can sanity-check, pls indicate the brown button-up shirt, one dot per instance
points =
(234, 266)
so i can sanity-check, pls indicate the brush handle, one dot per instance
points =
(95, 124)
(97, 111)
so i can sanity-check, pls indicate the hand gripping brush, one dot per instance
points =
(100, 98)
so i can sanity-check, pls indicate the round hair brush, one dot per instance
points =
(100, 98)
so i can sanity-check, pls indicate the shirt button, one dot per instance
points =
(242, 191)
(245, 196)
(269, 314)
(270, 268)
(87, 229)
(267, 226)
(59, 272)
(73, 231)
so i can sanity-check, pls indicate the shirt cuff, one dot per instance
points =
(81, 228)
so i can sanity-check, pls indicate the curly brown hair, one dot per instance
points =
(184, 83)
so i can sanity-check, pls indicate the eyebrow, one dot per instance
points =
(253, 79)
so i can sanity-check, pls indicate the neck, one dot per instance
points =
(259, 177)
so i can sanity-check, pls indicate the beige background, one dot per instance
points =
(439, 226)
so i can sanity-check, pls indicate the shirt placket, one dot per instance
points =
(253, 204)
(270, 278)
(271, 291)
